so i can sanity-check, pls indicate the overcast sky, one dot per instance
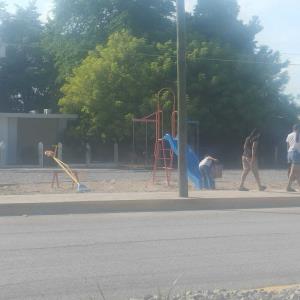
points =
(280, 20)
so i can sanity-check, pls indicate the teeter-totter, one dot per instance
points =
(81, 188)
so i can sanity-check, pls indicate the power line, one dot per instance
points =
(245, 61)
(225, 60)
(290, 53)
(84, 49)
(213, 59)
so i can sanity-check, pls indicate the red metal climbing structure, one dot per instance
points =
(163, 155)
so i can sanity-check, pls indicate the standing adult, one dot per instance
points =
(249, 160)
(290, 141)
(293, 157)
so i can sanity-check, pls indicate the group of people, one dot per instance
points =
(249, 161)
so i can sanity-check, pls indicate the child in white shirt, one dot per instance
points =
(205, 167)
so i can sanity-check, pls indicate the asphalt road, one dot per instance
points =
(131, 255)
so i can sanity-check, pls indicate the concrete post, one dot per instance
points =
(88, 154)
(2, 153)
(116, 154)
(2, 49)
(276, 156)
(41, 154)
(59, 151)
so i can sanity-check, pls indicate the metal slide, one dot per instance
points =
(192, 161)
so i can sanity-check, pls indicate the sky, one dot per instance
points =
(279, 19)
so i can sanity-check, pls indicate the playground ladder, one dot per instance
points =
(163, 160)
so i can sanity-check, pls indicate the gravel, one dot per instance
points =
(38, 181)
(261, 294)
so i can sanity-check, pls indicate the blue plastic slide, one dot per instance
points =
(192, 161)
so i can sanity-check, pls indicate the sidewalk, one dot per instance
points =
(88, 203)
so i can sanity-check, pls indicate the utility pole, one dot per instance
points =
(181, 94)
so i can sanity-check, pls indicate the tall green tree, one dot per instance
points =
(26, 72)
(234, 84)
(3, 11)
(231, 94)
(218, 20)
(143, 18)
(231, 87)
(78, 26)
(110, 86)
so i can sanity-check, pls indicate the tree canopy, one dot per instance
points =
(78, 27)
(106, 59)
(218, 20)
(26, 73)
(110, 86)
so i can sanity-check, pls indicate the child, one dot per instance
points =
(205, 167)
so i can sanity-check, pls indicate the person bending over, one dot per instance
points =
(205, 167)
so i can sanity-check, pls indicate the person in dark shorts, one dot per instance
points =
(249, 160)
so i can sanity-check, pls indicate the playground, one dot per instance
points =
(158, 143)
(165, 147)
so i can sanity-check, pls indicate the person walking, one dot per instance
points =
(293, 157)
(205, 167)
(249, 160)
(290, 141)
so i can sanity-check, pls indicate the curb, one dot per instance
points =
(149, 205)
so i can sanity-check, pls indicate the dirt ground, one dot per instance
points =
(38, 181)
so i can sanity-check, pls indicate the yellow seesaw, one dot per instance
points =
(81, 188)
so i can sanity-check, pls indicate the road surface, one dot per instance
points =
(131, 255)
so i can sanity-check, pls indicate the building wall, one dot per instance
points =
(21, 133)
(33, 131)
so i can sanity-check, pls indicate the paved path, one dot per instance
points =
(139, 196)
(91, 203)
(66, 257)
